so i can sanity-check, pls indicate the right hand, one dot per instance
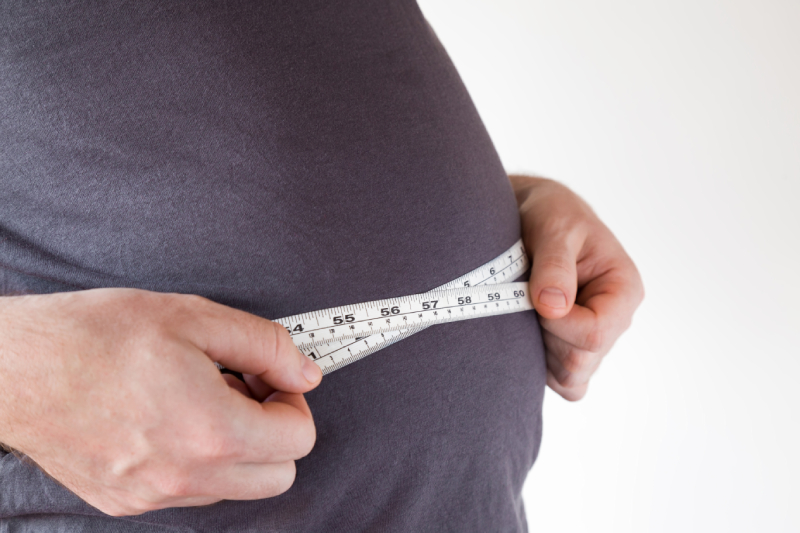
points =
(114, 393)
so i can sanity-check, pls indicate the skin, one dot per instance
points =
(114, 392)
(584, 286)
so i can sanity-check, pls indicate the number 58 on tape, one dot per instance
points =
(338, 336)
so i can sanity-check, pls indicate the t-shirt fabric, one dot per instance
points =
(278, 157)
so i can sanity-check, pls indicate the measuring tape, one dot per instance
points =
(338, 336)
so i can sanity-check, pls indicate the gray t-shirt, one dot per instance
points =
(278, 157)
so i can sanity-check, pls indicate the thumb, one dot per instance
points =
(252, 345)
(554, 275)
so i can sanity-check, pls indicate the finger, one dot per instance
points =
(166, 502)
(569, 365)
(272, 375)
(572, 394)
(237, 385)
(250, 344)
(253, 481)
(604, 310)
(297, 401)
(277, 430)
(554, 277)
(259, 390)
(239, 481)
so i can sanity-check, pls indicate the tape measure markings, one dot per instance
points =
(365, 319)
(516, 265)
(333, 350)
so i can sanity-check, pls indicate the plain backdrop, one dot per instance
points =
(679, 122)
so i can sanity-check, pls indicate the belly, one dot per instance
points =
(287, 167)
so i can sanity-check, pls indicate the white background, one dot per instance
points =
(679, 122)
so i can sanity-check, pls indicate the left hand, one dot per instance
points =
(583, 284)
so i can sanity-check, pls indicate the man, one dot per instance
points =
(272, 159)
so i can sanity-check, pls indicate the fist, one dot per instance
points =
(114, 393)
(583, 284)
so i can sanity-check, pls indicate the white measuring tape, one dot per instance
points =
(338, 336)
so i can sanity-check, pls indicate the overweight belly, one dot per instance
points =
(283, 160)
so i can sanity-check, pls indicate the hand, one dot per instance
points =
(583, 284)
(114, 393)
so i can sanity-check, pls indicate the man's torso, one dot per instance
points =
(279, 157)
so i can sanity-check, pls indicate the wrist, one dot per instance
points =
(20, 321)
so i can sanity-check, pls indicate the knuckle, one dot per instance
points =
(166, 303)
(594, 340)
(130, 297)
(555, 346)
(574, 362)
(297, 439)
(561, 374)
(634, 283)
(567, 380)
(140, 508)
(574, 394)
(171, 486)
(186, 306)
(283, 479)
(556, 229)
(215, 447)
(568, 386)
(305, 436)
(626, 324)
(271, 345)
(555, 261)
(177, 308)
(128, 508)
(640, 293)
(190, 300)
